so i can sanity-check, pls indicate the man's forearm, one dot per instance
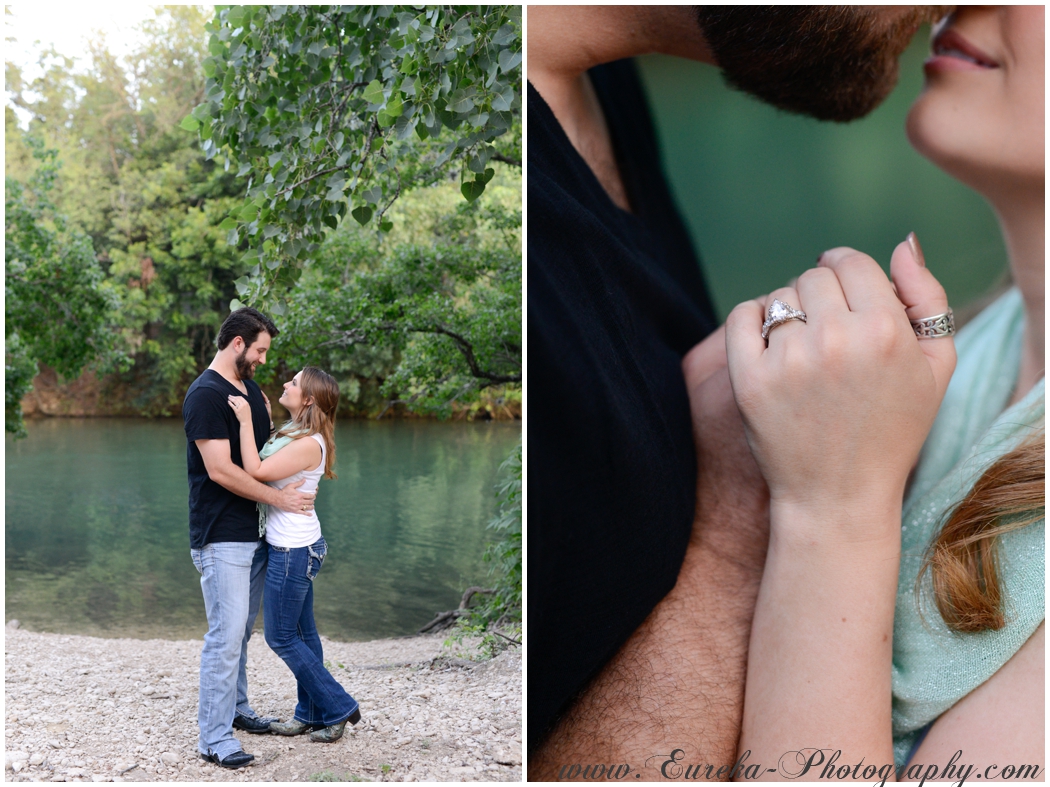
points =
(677, 683)
(240, 483)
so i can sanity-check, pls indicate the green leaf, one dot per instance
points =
(235, 304)
(462, 100)
(395, 106)
(472, 189)
(508, 60)
(384, 119)
(190, 123)
(228, 223)
(374, 92)
(504, 100)
(386, 226)
(362, 214)
(331, 221)
(505, 36)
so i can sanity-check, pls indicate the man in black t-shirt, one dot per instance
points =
(224, 529)
(648, 518)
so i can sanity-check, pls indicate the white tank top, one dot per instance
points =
(284, 529)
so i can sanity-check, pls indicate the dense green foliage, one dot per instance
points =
(143, 193)
(506, 554)
(332, 111)
(424, 324)
(152, 204)
(57, 309)
(337, 110)
(502, 606)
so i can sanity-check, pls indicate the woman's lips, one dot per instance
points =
(952, 52)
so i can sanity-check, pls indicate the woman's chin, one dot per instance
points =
(935, 140)
(977, 146)
(952, 145)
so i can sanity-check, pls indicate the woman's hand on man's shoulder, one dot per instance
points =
(241, 408)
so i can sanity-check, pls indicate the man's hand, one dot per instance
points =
(293, 501)
(678, 682)
(732, 500)
(222, 470)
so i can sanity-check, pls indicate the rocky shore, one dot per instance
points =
(88, 709)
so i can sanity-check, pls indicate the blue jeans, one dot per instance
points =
(289, 627)
(232, 577)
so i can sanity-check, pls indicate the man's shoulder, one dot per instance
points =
(206, 379)
(209, 386)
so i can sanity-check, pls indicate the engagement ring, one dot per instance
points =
(779, 313)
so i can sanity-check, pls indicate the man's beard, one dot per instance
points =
(245, 370)
(829, 62)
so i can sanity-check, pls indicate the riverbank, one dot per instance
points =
(89, 396)
(90, 709)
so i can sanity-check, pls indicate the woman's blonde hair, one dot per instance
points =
(318, 417)
(963, 559)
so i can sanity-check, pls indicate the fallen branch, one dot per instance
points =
(443, 620)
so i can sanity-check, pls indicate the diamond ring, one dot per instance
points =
(779, 313)
(934, 327)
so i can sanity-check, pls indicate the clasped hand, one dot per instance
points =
(836, 408)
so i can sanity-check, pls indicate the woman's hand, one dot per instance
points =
(269, 412)
(837, 408)
(241, 408)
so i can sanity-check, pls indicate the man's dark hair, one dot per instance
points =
(247, 323)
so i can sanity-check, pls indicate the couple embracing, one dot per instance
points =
(253, 525)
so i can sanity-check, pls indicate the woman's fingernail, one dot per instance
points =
(916, 249)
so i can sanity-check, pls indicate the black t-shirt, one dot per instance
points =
(216, 513)
(615, 299)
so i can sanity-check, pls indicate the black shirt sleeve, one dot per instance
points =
(207, 415)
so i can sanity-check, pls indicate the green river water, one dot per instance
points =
(97, 540)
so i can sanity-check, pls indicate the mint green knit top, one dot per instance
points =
(934, 667)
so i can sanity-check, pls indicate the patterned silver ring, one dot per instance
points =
(779, 313)
(934, 327)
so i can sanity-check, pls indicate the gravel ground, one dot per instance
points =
(89, 709)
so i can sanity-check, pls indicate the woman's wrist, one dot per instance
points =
(869, 522)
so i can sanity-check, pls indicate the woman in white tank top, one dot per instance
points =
(303, 450)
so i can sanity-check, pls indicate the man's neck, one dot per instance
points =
(566, 41)
(223, 364)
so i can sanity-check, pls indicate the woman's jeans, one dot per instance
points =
(232, 582)
(288, 615)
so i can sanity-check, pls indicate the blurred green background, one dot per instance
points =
(764, 192)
